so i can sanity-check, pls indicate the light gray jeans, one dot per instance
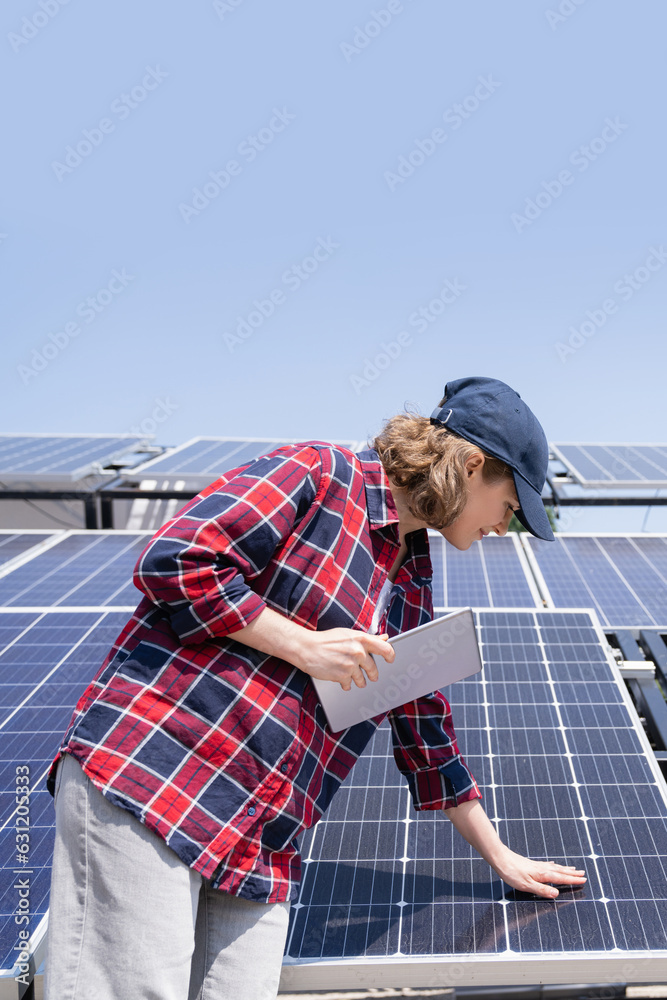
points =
(128, 919)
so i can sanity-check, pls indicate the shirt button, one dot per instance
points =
(251, 811)
(283, 768)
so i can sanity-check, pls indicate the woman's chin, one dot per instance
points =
(462, 544)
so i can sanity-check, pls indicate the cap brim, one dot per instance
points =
(532, 514)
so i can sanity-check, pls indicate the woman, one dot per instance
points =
(200, 751)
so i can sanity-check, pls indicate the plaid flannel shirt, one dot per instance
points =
(225, 751)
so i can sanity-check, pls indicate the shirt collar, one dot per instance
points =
(382, 513)
(379, 501)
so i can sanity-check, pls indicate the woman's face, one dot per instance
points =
(489, 507)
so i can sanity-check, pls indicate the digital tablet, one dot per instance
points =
(427, 658)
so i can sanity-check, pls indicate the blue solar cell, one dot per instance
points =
(576, 457)
(466, 579)
(30, 457)
(624, 578)
(615, 464)
(656, 459)
(437, 548)
(654, 550)
(87, 569)
(210, 457)
(562, 767)
(31, 732)
(549, 766)
(507, 579)
(488, 574)
(13, 545)
(649, 587)
(647, 462)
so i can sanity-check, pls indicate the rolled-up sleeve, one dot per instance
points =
(200, 566)
(426, 752)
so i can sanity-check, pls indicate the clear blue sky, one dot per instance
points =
(317, 105)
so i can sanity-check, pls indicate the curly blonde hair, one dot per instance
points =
(429, 462)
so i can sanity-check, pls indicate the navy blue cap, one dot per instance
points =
(493, 416)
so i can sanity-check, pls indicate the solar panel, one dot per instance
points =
(16, 543)
(41, 458)
(201, 460)
(492, 573)
(624, 577)
(395, 897)
(46, 659)
(626, 465)
(82, 569)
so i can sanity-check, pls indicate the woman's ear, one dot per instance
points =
(474, 463)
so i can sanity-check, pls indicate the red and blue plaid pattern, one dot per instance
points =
(222, 750)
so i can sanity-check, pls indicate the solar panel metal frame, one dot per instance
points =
(523, 562)
(151, 468)
(613, 966)
(607, 483)
(90, 467)
(544, 588)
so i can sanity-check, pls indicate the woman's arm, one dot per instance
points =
(336, 654)
(521, 873)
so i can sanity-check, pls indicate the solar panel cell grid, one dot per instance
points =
(630, 465)
(643, 579)
(13, 545)
(28, 457)
(615, 462)
(581, 464)
(88, 569)
(467, 580)
(507, 580)
(490, 573)
(209, 457)
(551, 781)
(623, 577)
(548, 733)
(655, 457)
(36, 708)
(437, 549)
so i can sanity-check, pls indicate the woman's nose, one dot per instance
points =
(502, 526)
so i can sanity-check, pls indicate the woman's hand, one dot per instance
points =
(521, 873)
(343, 655)
(535, 876)
(335, 654)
